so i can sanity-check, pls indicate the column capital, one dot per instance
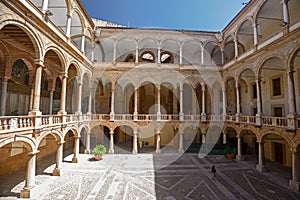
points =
(33, 153)
(39, 62)
(64, 75)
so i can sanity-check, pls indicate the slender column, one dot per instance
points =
(135, 143)
(236, 48)
(260, 166)
(31, 98)
(285, 9)
(202, 55)
(76, 150)
(51, 102)
(30, 176)
(112, 112)
(69, 22)
(79, 94)
(224, 100)
(3, 96)
(255, 38)
(115, 51)
(222, 56)
(203, 138)
(63, 95)
(224, 138)
(45, 5)
(158, 100)
(180, 54)
(239, 156)
(158, 55)
(59, 158)
(181, 103)
(93, 52)
(181, 150)
(90, 102)
(291, 94)
(82, 42)
(194, 101)
(295, 181)
(135, 104)
(37, 89)
(238, 105)
(136, 54)
(259, 103)
(88, 143)
(203, 113)
(158, 150)
(111, 143)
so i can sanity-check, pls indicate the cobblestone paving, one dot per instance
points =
(147, 176)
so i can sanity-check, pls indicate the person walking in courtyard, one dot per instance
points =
(213, 172)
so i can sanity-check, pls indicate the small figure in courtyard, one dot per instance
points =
(213, 172)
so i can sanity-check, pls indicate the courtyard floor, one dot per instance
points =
(165, 176)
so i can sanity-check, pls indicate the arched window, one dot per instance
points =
(130, 58)
(147, 56)
(167, 57)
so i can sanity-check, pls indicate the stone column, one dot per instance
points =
(285, 11)
(236, 48)
(37, 90)
(30, 176)
(203, 138)
(291, 101)
(238, 105)
(88, 143)
(261, 166)
(158, 103)
(3, 96)
(45, 5)
(111, 143)
(255, 37)
(224, 138)
(115, 51)
(181, 114)
(158, 55)
(69, 23)
(224, 101)
(59, 159)
(63, 95)
(51, 102)
(136, 54)
(135, 105)
(112, 112)
(259, 103)
(295, 181)
(135, 143)
(82, 42)
(79, 94)
(180, 54)
(239, 156)
(203, 113)
(158, 150)
(202, 55)
(180, 150)
(31, 98)
(76, 150)
(222, 56)
(90, 102)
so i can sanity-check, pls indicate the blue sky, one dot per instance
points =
(206, 15)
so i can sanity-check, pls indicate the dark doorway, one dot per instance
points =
(278, 151)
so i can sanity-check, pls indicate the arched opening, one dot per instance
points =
(249, 143)
(103, 96)
(147, 99)
(248, 92)
(212, 54)
(68, 148)
(99, 135)
(71, 96)
(170, 52)
(125, 47)
(245, 36)
(231, 107)
(123, 139)
(167, 58)
(147, 57)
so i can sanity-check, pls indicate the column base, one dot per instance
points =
(261, 168)
(74, 160)
(87, 151)
(111, 151)
(295, 185)
(62, 112)
(203, 117)
(78, 113)
(240, 158)
(135, 152)
(181, 151)
(158, 151)
(56, 172)
(25, 194)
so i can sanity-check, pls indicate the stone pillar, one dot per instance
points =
(59, 159)
(291, 101)
(3, 96)
(238, 105)
(37, 90)
(222, 56)
(135, 143)
(135, 105)
(236, 48)
(203, 138)
(88, 143)
(158, 55)
(51, 102)
(180, 150)
(158, 103)
(82, 42)
(136, 54)
(180, 55)
(255, 37)
(76, 150)
(181, 114)
(261, 166)
(112, 112)
(239, 156)
(158, 150)
(202, 55)
(224, 138)
(111, 143)
(224, 100)
(285, 11)
(31, 99)
(295, 181)
(115, 51)
(90, 102)
(203, 113)
(93, 52)
(30, 176)
(45, 5)
(259, 103)
(63, 95)
(69, 23)
(79, 94)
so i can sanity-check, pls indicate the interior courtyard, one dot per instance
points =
(165, 104)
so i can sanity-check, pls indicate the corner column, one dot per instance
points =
(294, 183)
(59, 159)
(76, 150)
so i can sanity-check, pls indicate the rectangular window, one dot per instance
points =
(254, 91)
(276, 86)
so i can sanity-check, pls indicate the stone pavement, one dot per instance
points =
(149, 176)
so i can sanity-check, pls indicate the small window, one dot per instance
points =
(276, 86)
(148, 57)
(254, 91)
(166, 57)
